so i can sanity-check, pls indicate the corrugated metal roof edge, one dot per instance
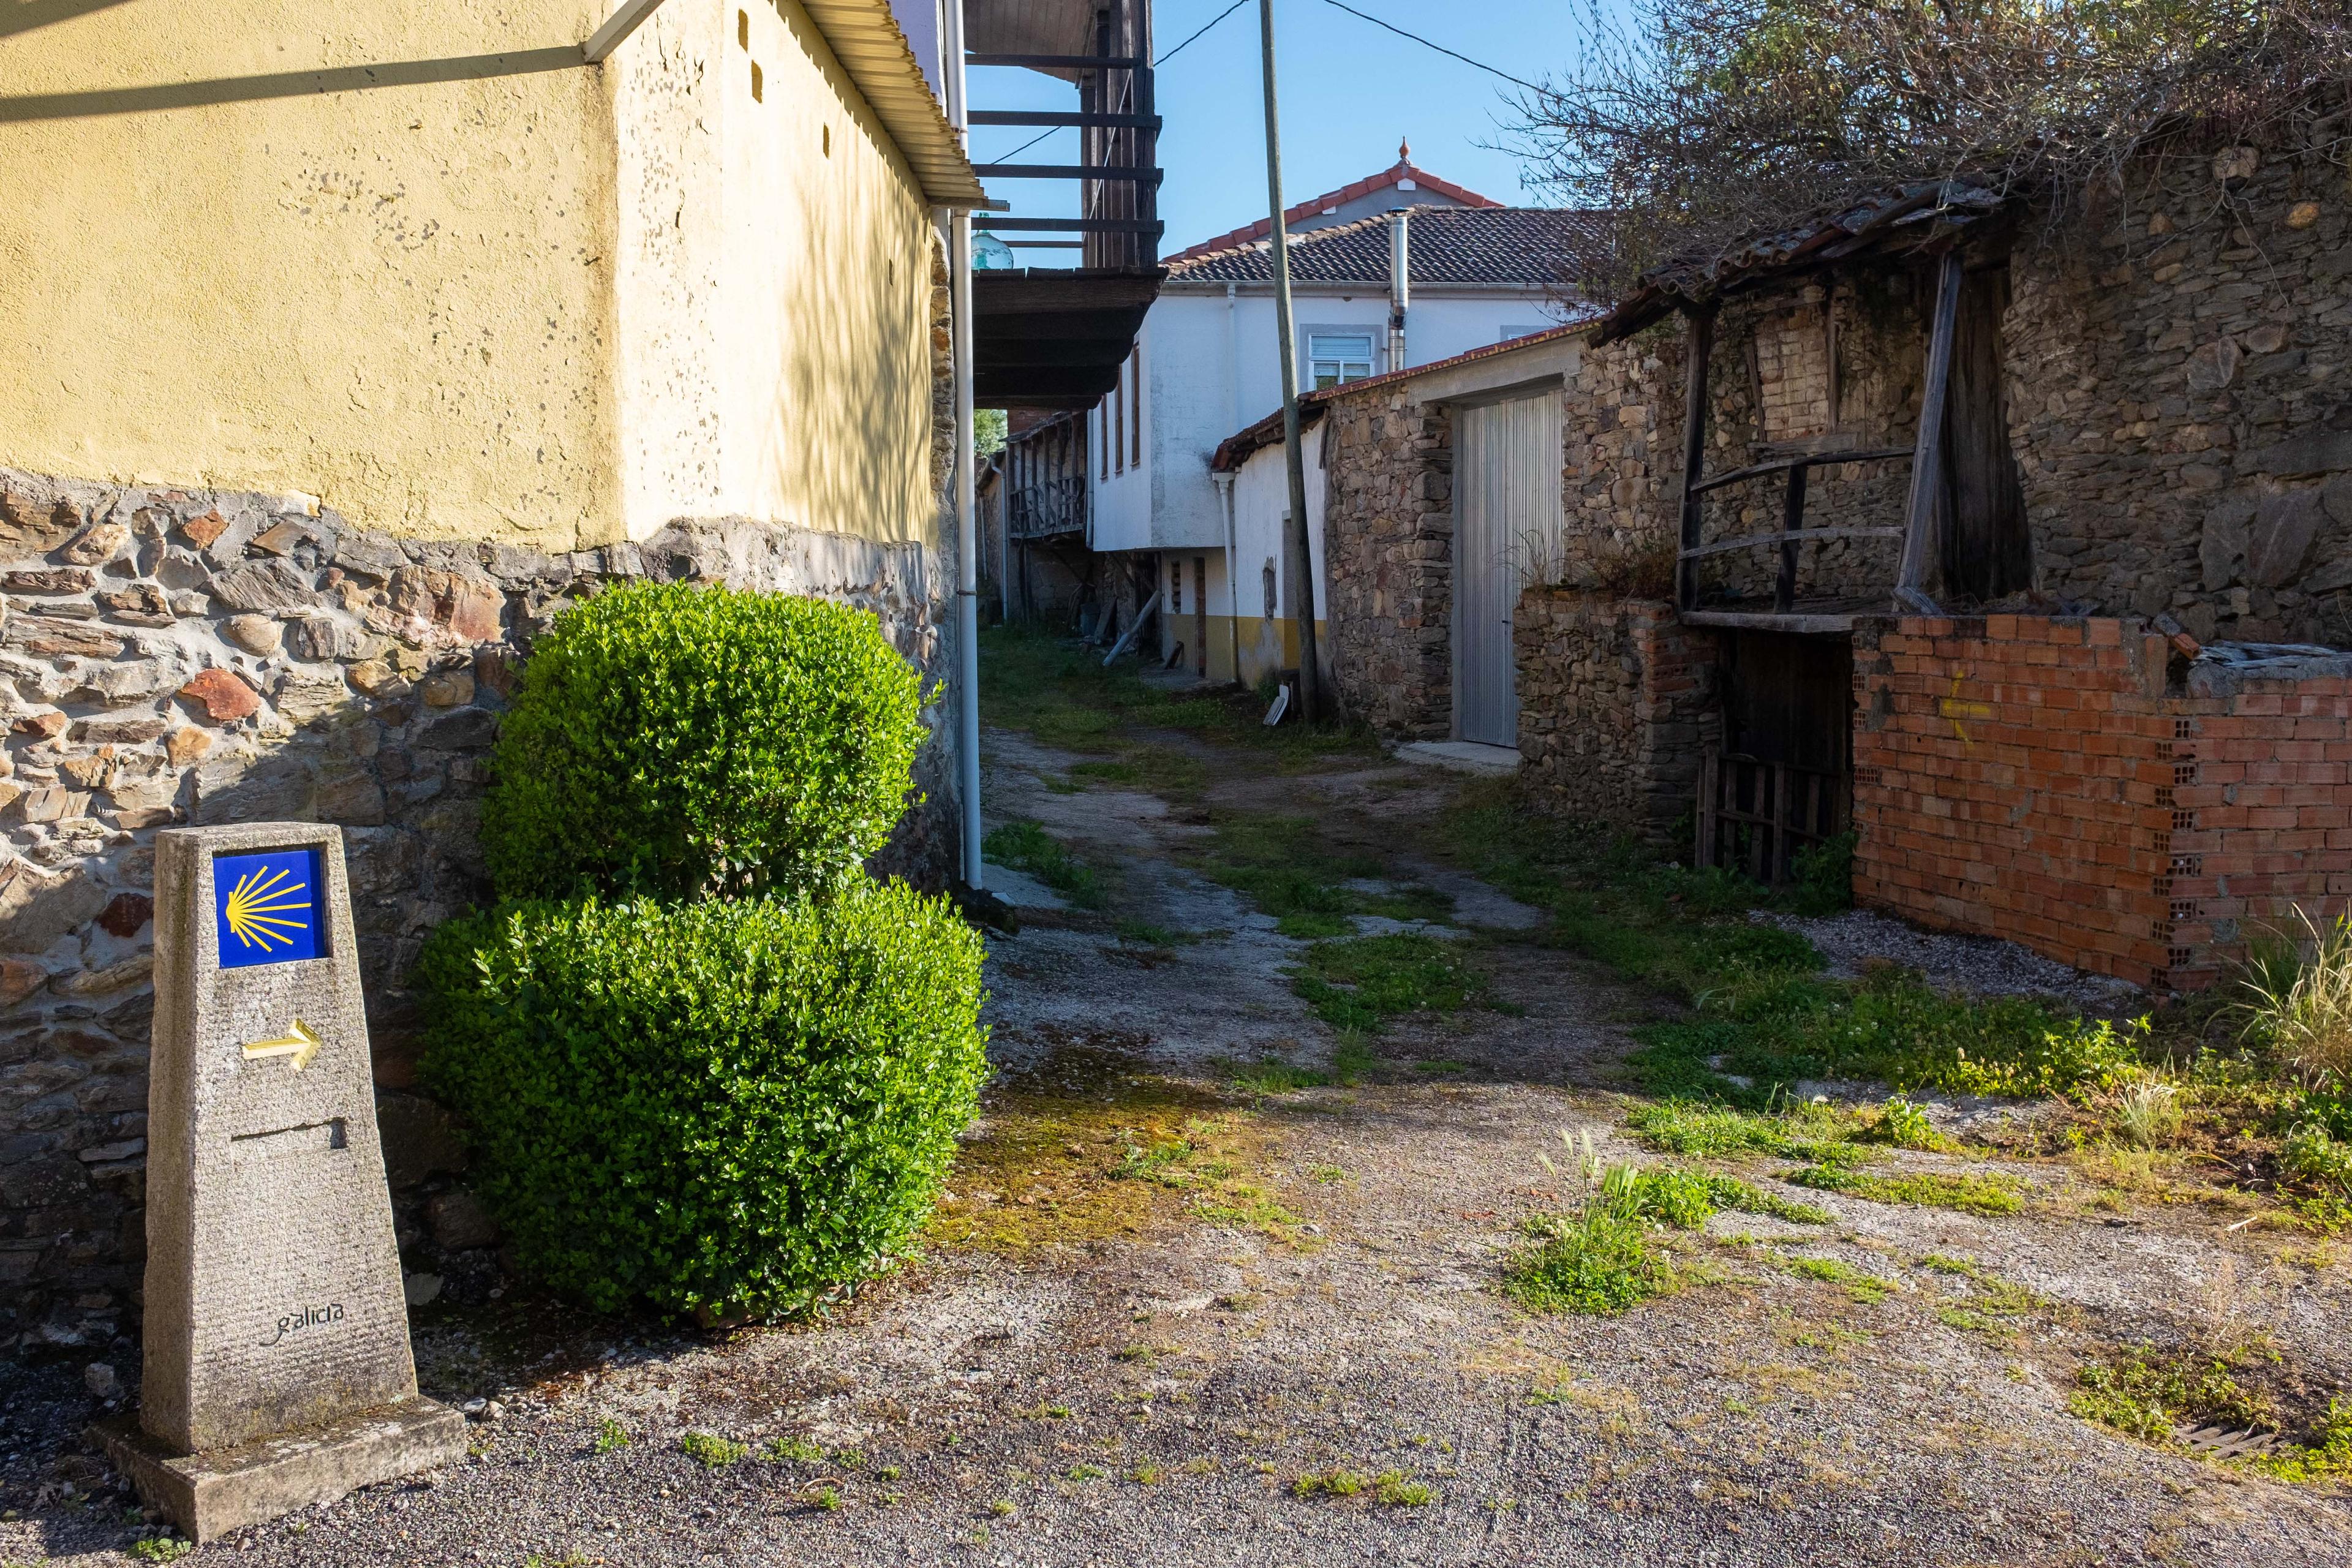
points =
(1267, 431)
(860, 32)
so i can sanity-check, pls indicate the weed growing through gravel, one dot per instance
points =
(611, 1436)
(1905, 1125)
(710, 1451)
(1086, 1473)
(161, 1549)
(1026, 845)
(1363, 982)
(794, 1450)
(1338, 1481)
(1970, 1194)
(1392, 1489)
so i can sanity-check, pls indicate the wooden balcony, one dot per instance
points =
(1052, 331)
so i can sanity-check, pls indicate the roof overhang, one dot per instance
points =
(866, 38)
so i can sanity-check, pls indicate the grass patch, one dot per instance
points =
(1970, 1194)
(1026, 845)
(1123, 773)
(1598, 1262)
(1282, 864)
(1272, 1077)
(1813, 1133)
(1048, 686)
(1863, 1286)
(2148, 1394)
(1762, 1011)
(1364, 982)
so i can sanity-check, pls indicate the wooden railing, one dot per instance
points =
(1047, 508)
(1117, 223)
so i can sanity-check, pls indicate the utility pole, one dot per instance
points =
(1301, 557)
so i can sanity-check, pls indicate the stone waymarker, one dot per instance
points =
(277, 1367)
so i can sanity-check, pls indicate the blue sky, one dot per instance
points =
(1350, 91)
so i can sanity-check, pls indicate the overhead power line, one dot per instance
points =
(1424, 43)
(1220, 17)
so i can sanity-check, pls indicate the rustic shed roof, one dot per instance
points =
(1902, 219)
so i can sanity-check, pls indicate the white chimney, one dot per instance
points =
(1399, 282)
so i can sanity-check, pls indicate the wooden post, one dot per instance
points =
(1792, 518)
(1927, 454)
(1702, 347)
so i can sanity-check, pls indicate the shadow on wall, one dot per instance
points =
(174, 656)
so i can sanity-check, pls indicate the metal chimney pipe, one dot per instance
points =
(1400, 281)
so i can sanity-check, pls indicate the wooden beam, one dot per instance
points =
(1792, 518)
(1928, 459)
(1059, 117)
(1128, 172)
(1058, 62)
(1701, 348)
(1806, 460)
(1788, 541)
(631, 15)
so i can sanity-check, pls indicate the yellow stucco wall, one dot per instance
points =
(774, 283)
(407, 256)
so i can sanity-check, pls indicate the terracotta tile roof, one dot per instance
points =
(1404, 169)
(1534, 245)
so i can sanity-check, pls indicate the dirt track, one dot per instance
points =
(1092, 1367)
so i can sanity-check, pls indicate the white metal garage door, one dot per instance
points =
(1507, 523)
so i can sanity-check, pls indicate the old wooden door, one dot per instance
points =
(1506, 533)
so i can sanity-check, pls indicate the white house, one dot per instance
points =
(1207, 362)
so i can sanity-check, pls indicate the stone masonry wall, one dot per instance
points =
(185, 657)
(1615, 700)
(2048, 781)
(1387, 543)
(2179, 401)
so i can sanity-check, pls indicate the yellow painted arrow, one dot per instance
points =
(297, 1042)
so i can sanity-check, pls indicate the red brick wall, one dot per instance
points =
(2036, 779)
(2263, 815)
(2014, 776)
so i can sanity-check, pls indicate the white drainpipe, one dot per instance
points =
(967, 624)
(1224, 483)
(1399, 284)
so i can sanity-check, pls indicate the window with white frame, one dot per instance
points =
(1333, 358)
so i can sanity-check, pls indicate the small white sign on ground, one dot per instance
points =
(278, 1365)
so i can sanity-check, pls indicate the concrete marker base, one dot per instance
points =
(208, 1495)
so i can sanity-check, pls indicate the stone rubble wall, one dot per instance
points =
(1387, 543)
(1616, 704)
(173, 656)
(2179, 402)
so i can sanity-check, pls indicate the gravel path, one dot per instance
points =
(1086, 1370)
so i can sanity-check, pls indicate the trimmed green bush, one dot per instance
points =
(677, 742)
(723, 1108)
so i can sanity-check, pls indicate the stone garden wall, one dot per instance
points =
(1616, 701)
(173, 655)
